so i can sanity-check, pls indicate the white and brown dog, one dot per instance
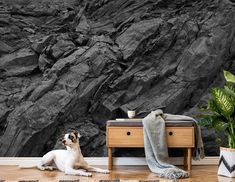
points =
(70, 161)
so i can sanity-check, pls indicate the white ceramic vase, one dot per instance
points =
(227, 162)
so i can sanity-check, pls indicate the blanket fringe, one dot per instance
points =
(174, 173)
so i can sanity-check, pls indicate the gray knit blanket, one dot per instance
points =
(155, 145)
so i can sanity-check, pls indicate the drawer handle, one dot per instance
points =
(128, 133)
(170, 133)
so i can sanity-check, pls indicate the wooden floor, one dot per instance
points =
(130, 173)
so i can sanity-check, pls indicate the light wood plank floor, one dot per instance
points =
(130, 173)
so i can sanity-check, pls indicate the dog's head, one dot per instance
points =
(70, 138)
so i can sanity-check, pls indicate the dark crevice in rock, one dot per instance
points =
(3, 122)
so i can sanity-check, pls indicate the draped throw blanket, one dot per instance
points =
(155, 145)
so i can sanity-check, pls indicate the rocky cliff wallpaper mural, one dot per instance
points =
(74, 64)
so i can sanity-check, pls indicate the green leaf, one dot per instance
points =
(229, 76)
(203, 108)
(213, 107)
(210, 107)
(231, 92)
(223, 102)
(221, 126)
(215, 122)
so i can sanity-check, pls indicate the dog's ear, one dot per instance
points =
(77, 134)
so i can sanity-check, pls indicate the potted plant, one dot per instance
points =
(220, 115)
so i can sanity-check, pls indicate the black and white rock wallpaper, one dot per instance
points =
(74, 64)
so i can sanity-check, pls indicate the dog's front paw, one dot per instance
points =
(106, 171)
(88, 174)
(41, 168)
(84, 174)
(50, 168)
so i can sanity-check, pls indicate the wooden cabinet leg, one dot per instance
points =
(189, 158)
(185, 159)
(110, 158)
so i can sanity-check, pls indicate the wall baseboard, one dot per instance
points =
(31, 161)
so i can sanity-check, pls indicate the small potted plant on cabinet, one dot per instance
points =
(220, 115)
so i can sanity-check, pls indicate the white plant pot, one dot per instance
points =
(227, 162)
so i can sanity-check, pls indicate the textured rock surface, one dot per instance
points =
(67, 64)
(20, 63)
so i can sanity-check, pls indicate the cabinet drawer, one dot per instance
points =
(180, 136)
(134, 137)
(125, 136)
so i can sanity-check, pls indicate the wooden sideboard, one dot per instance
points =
(129, 136)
